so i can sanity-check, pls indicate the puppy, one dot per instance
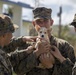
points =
(42, 32)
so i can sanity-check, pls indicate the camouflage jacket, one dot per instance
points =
(16, 43)
(10, 61)
(28, 65)
(9, 57)
(74, 70)
(5, 65)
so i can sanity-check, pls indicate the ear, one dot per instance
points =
(37, 27)
(33, 22)
(51, 22)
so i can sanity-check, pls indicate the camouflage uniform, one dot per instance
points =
(24, 63)
(5, 65)
(64, 68)
(8, 61)
(11, 61)
(74, 70)
(74, 21)
(16, 43)
(29, 64)
(74, 24)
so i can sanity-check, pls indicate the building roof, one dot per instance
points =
(26, 21)
(18, 3)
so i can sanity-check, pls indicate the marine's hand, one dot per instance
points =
(47, 60)
(56, 53)
(29, 38)
(29, 49)
(42, 47)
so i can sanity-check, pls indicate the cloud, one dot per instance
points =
(66, 17)
(59, 2)
(69, 9)
(74, 1)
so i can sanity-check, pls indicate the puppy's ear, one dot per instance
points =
(33, 23)
(37, 27)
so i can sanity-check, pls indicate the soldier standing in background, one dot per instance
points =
(74, 24)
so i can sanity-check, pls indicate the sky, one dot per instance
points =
(68, 9)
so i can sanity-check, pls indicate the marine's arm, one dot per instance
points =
(66, 58)
(14, 44)
(26, 61)
(18, 43)
(74, 70)
(21, 60)
(68, 64)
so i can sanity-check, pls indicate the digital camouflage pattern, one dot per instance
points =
(16, 43)
(74, 70)
(42, 13)
(10, 61)
(5, 65)
(29, 64)
(6, 24)
(74, 24)
(23, 63)
(74, 21)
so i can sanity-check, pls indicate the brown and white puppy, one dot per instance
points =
(42, 32)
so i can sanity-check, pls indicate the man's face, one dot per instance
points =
(43, 23)
(8, 37)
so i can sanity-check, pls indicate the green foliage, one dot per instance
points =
(65, 34)
(32, 32)
(14, 74)
(71, 38)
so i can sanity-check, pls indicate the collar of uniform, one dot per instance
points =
(53, 40)
(1, 50)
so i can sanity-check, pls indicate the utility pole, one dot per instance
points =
(36, 3)
(60, 27)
